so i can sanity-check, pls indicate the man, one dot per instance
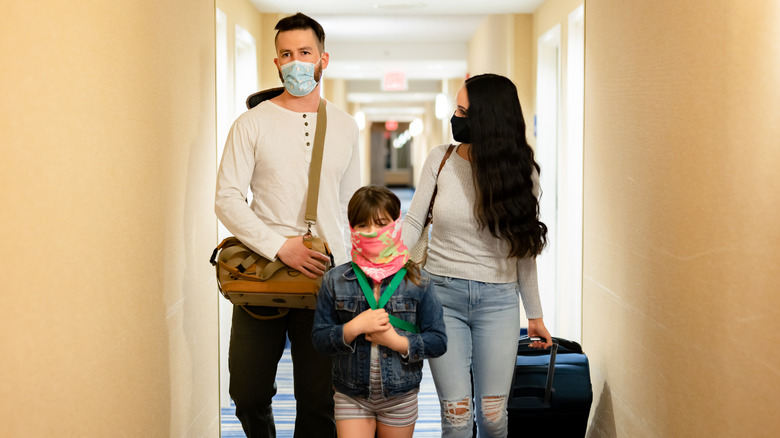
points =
(269, 149)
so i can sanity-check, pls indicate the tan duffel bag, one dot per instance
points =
(248, 279)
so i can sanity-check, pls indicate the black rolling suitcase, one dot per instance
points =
(551, 392)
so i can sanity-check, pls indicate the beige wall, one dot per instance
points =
(335, 91)
(107, 174)
(244, 14)
(505, 45)
(682, 200)
(523, 68)
(269, 74)
(491, 49)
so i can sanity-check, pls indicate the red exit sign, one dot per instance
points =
(394, 81)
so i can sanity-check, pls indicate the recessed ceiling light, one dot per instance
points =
(399, 5)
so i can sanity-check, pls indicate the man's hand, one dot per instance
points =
(297, 256)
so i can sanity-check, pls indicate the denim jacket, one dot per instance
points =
(340, 299)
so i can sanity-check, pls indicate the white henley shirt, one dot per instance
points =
(268, 151)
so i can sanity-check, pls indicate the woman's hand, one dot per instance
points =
(536, 328)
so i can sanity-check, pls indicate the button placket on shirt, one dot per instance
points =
(308, 137)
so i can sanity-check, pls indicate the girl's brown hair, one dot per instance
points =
(368, 205)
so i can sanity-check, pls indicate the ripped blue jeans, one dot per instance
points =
(483, 325)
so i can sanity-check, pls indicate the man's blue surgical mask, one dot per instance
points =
(298, 77)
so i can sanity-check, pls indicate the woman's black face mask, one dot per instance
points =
(460, 129)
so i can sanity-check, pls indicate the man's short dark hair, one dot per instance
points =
(301, 22)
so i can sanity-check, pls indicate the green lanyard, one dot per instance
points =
(397, 279)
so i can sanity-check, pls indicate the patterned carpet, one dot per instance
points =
(428, 424)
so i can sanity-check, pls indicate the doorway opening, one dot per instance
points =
(559, 152)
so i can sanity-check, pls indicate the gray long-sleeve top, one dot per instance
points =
(458, 248)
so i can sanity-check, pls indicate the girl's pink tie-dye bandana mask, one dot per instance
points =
(380, 254)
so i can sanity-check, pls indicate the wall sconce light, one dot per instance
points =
(443, 107)
(360, 118)
(416, 127)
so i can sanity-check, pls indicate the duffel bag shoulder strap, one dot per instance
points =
(233, 248)
(281, 311)
(238, 272)
(237, 251)
(315, 168)
(227, 242)
(251, 258)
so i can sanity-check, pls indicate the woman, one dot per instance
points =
(482, 252)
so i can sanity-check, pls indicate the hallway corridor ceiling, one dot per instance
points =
(424, 40)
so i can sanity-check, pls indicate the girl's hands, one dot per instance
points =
(369, 321)
(390, 339)
(375, 324)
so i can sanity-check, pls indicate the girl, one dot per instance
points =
(482, 253)
(379, 317)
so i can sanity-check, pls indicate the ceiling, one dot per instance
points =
(413, 7)
(424, 40)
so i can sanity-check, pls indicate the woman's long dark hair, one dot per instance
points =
(502, 163)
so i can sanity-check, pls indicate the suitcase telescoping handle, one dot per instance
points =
(550, 368)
